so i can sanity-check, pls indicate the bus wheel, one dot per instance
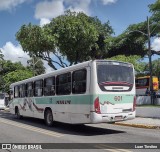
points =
(17, 113)
(48, 117)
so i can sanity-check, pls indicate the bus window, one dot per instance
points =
(29, 89)
(38, 88)
(79, 81)
(22, 89)
(115, 78)
(63, 84)
(16, 91)
(49, 86)
(144, 82)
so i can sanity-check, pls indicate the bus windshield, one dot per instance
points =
(114, 73)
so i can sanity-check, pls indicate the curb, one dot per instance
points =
(138, 125)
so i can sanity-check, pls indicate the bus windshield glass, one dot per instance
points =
(114, 73)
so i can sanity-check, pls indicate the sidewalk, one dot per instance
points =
(140, 122)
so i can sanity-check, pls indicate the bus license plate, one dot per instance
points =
(118, 118)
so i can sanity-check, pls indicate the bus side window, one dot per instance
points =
(63, 84)
(16, 91)
(29, 89)
(79, 81)
(22, 89)
(38, 88)
(49, 86)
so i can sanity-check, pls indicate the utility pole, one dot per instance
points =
(150, 61)
(150, 52)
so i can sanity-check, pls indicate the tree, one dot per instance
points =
(1, 55)
(155, 10)
(37, 41)
(80, 37)
(155, 67)
(15, 76)
(8, 67)
(134, 59)
(75, 37)
(132, 41)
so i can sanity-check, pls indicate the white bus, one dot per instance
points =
(90, 92)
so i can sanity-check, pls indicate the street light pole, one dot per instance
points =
(33, 66)
(150, 60)
(148, 35)
(33, 63)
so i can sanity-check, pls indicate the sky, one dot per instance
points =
(15, 13)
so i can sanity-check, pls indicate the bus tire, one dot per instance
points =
(17, 113)
(48, 117)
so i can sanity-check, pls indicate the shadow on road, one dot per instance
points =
(82, 130)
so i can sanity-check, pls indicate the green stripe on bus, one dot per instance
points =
(86, 99)
(82, 99)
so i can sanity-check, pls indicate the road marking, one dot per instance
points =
(113, 149)
(31, 128)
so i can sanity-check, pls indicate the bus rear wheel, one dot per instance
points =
(48, 117)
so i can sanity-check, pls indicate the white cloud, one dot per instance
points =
(44, 21)
(10, 4)
(16, 53)
(156, 44)
(106, 2)
(49, 9)
(79, 6)
(46, 10)
(12, 52)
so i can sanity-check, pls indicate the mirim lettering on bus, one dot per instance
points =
(63, 102)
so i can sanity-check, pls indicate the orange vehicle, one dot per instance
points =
(143, 84)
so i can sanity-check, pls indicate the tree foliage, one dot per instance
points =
(134, 59)
(37, 41)
(133, 40)
(76, 37)
(15, 76)
(155, 68)
(7, 66)
(155, 10)
(127, 43)
(7, 69)
(72, 36)
(1, 55)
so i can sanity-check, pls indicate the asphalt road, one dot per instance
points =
(30, 130)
